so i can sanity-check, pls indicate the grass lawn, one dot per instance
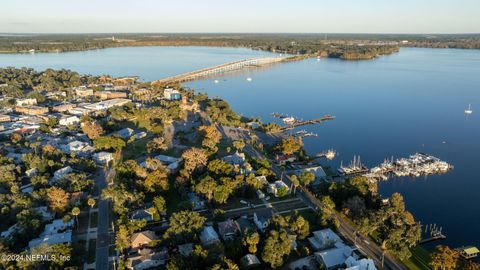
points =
(419, 260)
(136, 149)
(92, 248)
(93, 219)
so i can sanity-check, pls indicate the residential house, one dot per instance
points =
(21, 102)
(31, 172)
(171, 94)
(209, 236)
(284, 159)
(9, 232)
(62, 107)
(147, 259)
(107, 104)
(333, 258)
(31, 110)
(5, 118)
(249, 261)
(102, 157)
(245, 224)
(142, 239)
(77, 147)
(46, 215)
(172, 163)
(362, 264)
(66, 120)
(79, 111)
(276, 186)
(142, 214)
(61, 173)
(195, 201)
(262, 217)
(469, 252)
(124, 133)
(235, 159)
(185, 249)
(83, 91)
(324, 239)
(228, 229)
(56, 232)
(110, 94)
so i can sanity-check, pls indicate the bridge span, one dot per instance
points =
(219, 69)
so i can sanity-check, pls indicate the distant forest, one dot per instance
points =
(345, 46)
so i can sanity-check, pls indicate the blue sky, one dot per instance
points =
(307, 16)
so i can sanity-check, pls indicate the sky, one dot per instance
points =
(240, 16)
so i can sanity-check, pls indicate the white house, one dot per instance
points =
(26, 102)
(333, 258)
(362, 264)
(147, 259)
(66, 120)
(235, 159)
(276, 186)
(59, 174)
(57, 232)
(324, 239)
(209, 236)
(77, 147)
(102, 157)
(262, 217)
(171, 94)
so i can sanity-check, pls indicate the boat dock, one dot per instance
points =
(433, 233)
(307, 122)
(355, 167)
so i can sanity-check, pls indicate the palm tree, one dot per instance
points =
(91, 202)
(295, 183)
(76, 212)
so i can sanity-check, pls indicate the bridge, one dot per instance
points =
(219, 69)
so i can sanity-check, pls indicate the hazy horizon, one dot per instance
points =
(216, 16)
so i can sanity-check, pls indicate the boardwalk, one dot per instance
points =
(216, 70)
(308, 122)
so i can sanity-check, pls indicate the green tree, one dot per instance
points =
(277, 246)
(122, 238)
(58, 199)
(207, 187)
(444, 258)
(184, 224)
(290, 145)
(157, 144)
(295, 183)
(108, 143)
(306, 178)
(251, 240)
(92, 129)
(239, 145)
(160, 204)
(194, 158)
(91, 202)
(158, 179)
(75, 213)
(211, 137)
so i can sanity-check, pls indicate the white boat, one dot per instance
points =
(330, 154)
(288, 120)
(249, 79)
(469, 110)
(216, 81)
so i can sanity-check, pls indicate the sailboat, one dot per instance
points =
(469, 110)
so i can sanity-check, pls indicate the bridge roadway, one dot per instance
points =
(215, 70)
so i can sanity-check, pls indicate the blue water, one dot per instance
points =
(150, 63)
(392, 106)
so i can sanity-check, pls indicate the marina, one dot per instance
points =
(419, 164)
(432, 233)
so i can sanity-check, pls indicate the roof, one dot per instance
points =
(228, 227)
(334, 257)
(185, 249)
(264, 214)
(471, 250)
(363, 264)
(208, 235)
(249, 260)
(145, 234)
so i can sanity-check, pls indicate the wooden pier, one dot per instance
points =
(308, 122)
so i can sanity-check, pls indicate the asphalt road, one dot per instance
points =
(103, 237)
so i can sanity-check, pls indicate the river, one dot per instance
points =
(395, 105)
